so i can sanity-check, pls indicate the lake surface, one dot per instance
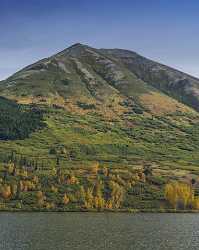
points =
(92, 231)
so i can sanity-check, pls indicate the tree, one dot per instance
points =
(10, 168)
(105, 171)
(117, 194)
(71, 179)
(147, 170)
(95, 168)
(54, 189)
(6, 191)
(179, 195)
(99, 201)
(109, 204)
(14, 189)
(65, 199)
(82, 195)
(195, 203)
(40, 198)
(89, 198)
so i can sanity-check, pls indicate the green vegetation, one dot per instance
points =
(17, 121)
(85, 163)
(93, 130)
(85, 105)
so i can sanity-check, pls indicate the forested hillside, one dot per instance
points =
(17, 121)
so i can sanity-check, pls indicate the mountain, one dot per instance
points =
(98, 75)
(108, 125)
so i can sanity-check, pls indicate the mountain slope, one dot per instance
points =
(96, 129)
(177, 84)
(99, 75)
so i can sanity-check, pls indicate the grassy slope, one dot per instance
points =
(172, 138)
(169, 143)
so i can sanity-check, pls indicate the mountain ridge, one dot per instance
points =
(97, 74)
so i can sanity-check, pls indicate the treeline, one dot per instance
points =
(18, 121)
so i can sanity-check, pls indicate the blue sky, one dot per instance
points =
(163, 30)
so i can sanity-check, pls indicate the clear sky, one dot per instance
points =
(163, 30)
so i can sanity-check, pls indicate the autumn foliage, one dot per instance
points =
(181, 196)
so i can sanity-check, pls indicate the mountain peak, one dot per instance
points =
(73, 50)
(77, 45)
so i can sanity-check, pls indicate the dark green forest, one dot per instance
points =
(18, 121)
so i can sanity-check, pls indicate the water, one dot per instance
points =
(91, 231)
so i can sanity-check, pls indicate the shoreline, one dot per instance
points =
(128, 211)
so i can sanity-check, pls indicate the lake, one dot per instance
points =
(92, 231)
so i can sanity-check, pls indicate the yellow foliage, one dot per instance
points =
(49, 205)
(99, 202)
(6, 191)
(24, 173)
(195, 203)
(16, 172)
(40, 198)
(26, 185)
(54, 171)
(135, 177)
(117, 194)
(65, 199)
(10, 168)
(89, 199)
(71, 179)
(95, 168)
(13, 189)
(109, 204)
(118, 179)
(54, 189)
(35, 179)
(21, 186)
(179, 194)
(105, 171)
(142, 176)
(39, 194)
